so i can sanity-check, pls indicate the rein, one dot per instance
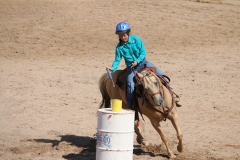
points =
(151, 107)
(145, 99)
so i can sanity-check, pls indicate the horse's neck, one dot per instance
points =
(167, 96)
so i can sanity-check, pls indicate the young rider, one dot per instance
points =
(132, 49)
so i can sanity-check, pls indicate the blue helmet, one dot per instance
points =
(122, 27)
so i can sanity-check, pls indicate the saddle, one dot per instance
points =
(121, 79)
(121, 82)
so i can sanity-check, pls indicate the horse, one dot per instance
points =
(155, 101)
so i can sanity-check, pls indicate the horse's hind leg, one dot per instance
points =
(156, 125)
(140, 138)
(175, 123)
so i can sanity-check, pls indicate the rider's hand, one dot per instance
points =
(134, 64)
(110, 69)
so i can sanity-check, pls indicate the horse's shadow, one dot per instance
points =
(87, 147)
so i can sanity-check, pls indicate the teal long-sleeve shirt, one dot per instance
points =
(133, 50)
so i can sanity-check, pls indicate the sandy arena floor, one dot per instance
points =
(52, 53)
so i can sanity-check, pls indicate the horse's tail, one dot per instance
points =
(103, 89)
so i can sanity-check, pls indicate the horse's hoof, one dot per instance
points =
(180, 148)
(142, 142)
(145, 143)
(139, 141)
(172, 156)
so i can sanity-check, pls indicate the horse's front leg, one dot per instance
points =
(175, 123)
(140, 139)
(156, 125)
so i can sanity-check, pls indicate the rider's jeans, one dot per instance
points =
(130, 79)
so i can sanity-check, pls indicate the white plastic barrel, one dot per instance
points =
(115, 134)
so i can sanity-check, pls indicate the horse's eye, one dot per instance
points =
(156, 83)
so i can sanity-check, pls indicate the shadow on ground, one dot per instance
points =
(85, 147)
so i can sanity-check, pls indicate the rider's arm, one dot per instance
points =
(117, 60)
(142, 50)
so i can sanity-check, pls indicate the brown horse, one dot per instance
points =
(155, 101)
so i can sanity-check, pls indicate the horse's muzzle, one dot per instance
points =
(159, 101)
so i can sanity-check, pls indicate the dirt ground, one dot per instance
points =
(53, 52)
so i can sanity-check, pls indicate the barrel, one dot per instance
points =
(115, 134)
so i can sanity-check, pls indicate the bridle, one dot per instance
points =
(145, 99)
(150, 75)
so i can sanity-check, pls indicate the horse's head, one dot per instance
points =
(151, 85)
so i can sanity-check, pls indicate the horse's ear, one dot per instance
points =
(139, 75)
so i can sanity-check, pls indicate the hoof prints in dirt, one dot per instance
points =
(151, 150)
